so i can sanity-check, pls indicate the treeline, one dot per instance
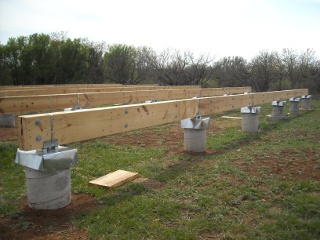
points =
(55, 59)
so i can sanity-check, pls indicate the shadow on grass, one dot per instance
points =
(123, 194)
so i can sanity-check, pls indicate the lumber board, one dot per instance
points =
(75, 126)
(229, 117)
(114, 179)
(18, 104)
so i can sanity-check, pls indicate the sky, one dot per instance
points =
(220, 28)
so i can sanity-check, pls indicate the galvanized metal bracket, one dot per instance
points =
(50, 146)
(195, 123)
(306, 96)
(279, 103)
(296, 99)
(51, 162)
(251, 109)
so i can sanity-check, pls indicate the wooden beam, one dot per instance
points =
(17, 87)
(76, 126)
(20, 104)
(210, 105)
(68, 127)
(50, 91)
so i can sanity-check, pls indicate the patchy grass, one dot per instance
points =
(246, 186)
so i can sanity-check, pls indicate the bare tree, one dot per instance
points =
(143, 63)
(290, 61)
(306, 62)
(200, 69)
(266, 69)
(314, 81)
(233, 71)
(300, 68)
(182, 68)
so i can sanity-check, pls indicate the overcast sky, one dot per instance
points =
(219, 27)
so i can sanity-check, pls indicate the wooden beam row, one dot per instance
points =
(25, 87)
(210, 105)
(68, 127)
(88, 100)
(64, 90)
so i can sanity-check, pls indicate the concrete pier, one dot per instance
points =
(195, 133)
(48, 190)
(294, 106)
(250, 119)
(277, 111)
(306, 101)
(48, 176)
(7, 120)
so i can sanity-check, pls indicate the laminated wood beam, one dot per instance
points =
(210, 105)
(46, 91)
(17, 87)
(68, 127)
(88, 100)
(81, 125)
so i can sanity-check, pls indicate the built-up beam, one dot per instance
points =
(64, 90)
(20, 87)
(88, 100)
(68, 127)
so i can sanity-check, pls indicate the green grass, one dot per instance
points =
(12, 180)
(201, 196)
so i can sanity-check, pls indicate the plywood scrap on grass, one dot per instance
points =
(114, 179)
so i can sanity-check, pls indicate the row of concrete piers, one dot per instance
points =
(195, 128)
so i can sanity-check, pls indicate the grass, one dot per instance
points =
(211, 196)
(12, 185)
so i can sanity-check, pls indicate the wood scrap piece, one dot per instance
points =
(231, 117)
(114, 179)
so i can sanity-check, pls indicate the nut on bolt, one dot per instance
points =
(37, 122)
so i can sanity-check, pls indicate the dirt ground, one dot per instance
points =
(36, 226)
(46, 224)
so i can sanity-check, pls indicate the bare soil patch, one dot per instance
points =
(170, 136)
(9, 134)
(47, 224)
(297, 163)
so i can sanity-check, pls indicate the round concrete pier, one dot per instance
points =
(7, 120)
(48, 190)
(277, 111)
(194, 140)
(305, 103)
(250, 122)
(294, 108)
